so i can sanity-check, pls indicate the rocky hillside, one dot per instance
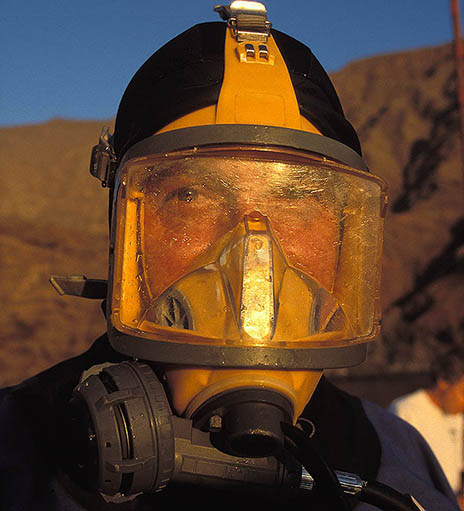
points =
(405, 109)
(53, 219)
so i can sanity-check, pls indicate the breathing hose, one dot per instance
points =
(113, 422)
(385, 497)
(327, 486)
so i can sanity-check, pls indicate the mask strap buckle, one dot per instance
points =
(103, 161)
(247, 20)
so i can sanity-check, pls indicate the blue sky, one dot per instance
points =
(73, 59)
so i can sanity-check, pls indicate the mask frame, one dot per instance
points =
(234, 356)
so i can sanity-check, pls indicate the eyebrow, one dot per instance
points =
(296, 185)
(213, 180)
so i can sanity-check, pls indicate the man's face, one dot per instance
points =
(185, 216)
(453, 396)
(187, 210)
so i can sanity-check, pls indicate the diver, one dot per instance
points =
(244, 260)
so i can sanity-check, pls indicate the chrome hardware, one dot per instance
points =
(247, 20)
(263, 52)
(350, 483)
(307, 481)
(250, 51)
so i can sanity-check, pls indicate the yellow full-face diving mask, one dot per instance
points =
(245, 266)
(245, 256)
(245, 247)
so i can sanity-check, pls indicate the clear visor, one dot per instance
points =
(247, 247)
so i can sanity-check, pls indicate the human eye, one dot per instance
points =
(183, 194)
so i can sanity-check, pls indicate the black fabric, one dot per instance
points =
(343, 433)
(349, 436)
(186, 75)
(181, 77)
(32, 441)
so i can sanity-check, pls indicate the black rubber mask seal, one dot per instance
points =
(246, 134)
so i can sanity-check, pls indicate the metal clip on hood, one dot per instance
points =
(248, 20)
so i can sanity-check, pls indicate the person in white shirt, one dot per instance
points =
(437, 413)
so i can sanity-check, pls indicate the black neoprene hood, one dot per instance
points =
(186, 75)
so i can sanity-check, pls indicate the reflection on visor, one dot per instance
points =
(246, 294)
(238, 249)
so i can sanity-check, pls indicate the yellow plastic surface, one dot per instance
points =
(257, 91)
